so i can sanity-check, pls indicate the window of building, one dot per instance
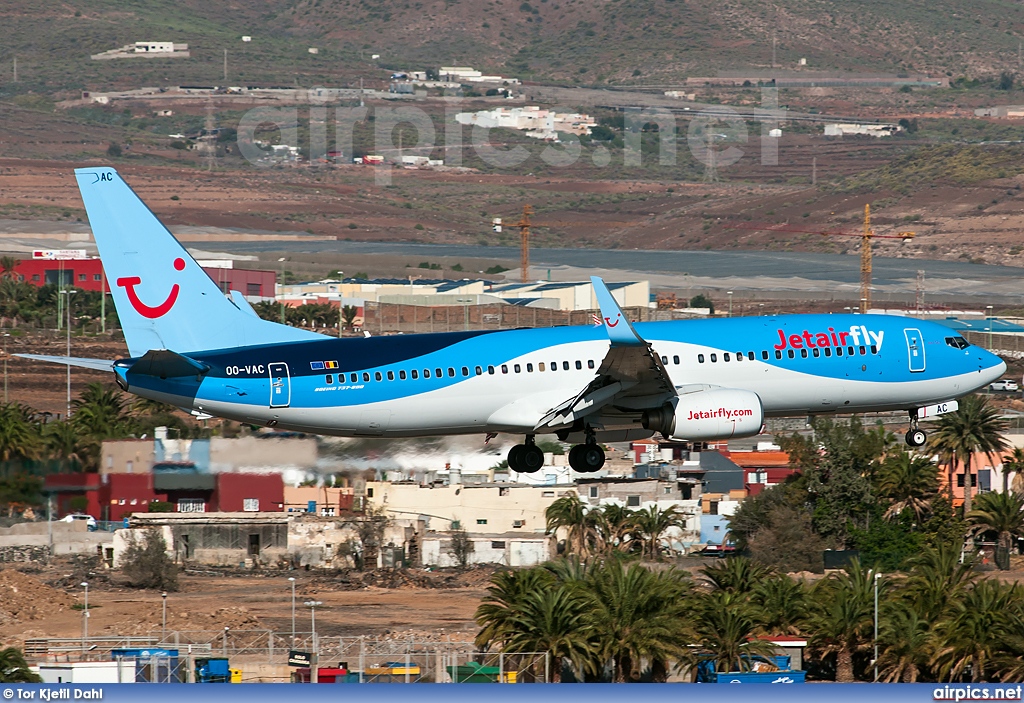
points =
(97, 277)
(717, 528)
(593, 491)
(518, 523)
(191, 505)
(713, 507)
(668, 490)
(254, 545)
(632, 501)
(82, 277)
(377, 376)
(548, 494)
(35, 276)
(497, 544)
(330, 380)
(251, 505)
(481, 521)
(369, 493)
(253, 289)
(700, 358)
(503, 491)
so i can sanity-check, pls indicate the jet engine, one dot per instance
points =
(720, 413)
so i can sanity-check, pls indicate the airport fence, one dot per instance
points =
(1008, 345)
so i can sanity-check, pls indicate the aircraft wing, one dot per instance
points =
(630, 376)
(95, 364)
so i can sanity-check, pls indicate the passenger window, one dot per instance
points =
(803, 353)
(391, 375)
(529, 368)
(504, 368)
(700, 358)
(465, 370)
(792, 354)
(565, 366)
(675, 360)
(725, 357)
(330, 380)
(664, 359)
(739, 356)
(828, 351)
(438, 373)
(515, 368)
(590, 363)
(764, 355)
(415, 374)
(490, 370)
(554, 366)
(479, 371)
(579, 365)
(874, 349)
(451, 372)
(863, 351)
(540, 366)
(778, 354)
(750, 355)
(839, 351)
(366, 377)
(353, 378)
(817, 352)
(377, 376)
(849, 351)
(714, 358)
(426, 373)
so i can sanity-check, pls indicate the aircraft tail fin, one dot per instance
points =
(164, 299)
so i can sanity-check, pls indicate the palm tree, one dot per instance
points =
(639, 617)
(63, 443)
(938, 579)
(7, 265)
(617, 525)
(652, 523)
(19, 433)
(1013, 463)
(781, 604)
(726, 627)
(556, 621)
(14, 668)
(1002, 513)
(348, 315)
(841, 619)
(569, 513)
(905, 642)
(972, 640)
(974, 428)
(498, 611)
(907, 481)
(736, 574)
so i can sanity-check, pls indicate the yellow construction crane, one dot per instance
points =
(865, 248)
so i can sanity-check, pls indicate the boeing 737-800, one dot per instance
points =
(195, 347)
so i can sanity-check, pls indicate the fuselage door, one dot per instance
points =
(280, 385)
(915, 349)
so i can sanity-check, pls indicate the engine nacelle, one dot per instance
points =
(721, 413)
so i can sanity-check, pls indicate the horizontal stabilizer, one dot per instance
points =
(164, 363)
(95, 364)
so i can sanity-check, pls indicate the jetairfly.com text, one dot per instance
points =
(858, 334)
(721, 412)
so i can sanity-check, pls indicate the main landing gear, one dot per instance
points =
(916, 437)
(585, 458)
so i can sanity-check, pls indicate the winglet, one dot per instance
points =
(619, 329)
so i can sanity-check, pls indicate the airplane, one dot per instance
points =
(195, 347)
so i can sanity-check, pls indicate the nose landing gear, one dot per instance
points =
(916, 437)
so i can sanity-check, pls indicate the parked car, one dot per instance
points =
(89, 520)
(1003, 386)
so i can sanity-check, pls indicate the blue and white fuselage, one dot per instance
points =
(195, 347)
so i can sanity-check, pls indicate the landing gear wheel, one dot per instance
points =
(531, 458)
(916, 437)
(515, 454)
(586, 458)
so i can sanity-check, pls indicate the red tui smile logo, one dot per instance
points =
(152, 312)
(609, 322)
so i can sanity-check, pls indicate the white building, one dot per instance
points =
(869, 130)
(537, 122)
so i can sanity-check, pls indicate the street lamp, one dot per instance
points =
(989, 325)
(163, 633)
(292, 579)
(85, 615)
(875, 661)
(69, 293)
(312, 605)
(729, 293)
(6, 335)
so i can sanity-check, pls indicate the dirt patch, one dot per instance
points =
(25, 598)
(475, 577)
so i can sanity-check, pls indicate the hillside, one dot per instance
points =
(633, 42)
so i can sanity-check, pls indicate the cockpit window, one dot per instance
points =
(957, 342)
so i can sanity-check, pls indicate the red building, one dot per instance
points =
(87, 274)
(115, 496)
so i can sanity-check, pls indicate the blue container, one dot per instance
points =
(213, 670)
(152, 665)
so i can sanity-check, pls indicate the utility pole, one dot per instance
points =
(103, 302)
(69, 292)
(225, 67)
(15, 69)
(774, 42)
(875, 662)
(710, 168)
(814, 170)
(6, 335)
